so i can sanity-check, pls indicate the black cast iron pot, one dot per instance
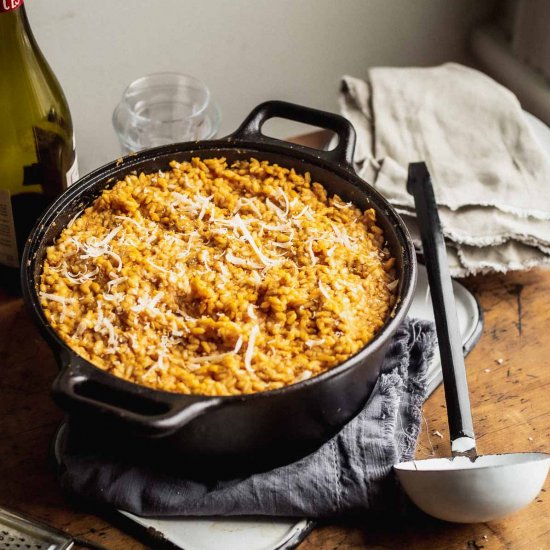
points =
(233, 434)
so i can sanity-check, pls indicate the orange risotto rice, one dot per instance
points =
(218, 279)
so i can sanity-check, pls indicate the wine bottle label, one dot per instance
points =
(9, 5)
(8, 242)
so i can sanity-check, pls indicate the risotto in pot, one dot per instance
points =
(218, 279)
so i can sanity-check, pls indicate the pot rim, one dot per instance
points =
(66, 356)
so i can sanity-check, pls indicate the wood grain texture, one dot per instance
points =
(509, 376)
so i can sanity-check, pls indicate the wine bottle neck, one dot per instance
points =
(15, 32)
(14, 23)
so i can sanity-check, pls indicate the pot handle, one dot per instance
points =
(251, 129)
(77, 391)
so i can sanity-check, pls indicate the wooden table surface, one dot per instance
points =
(509, 378)
(509, 382)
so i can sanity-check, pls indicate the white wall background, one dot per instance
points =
(246, 51)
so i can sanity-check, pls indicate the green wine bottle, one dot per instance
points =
(37, 151)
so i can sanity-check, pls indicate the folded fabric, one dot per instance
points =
(490, 175)
(350, 473)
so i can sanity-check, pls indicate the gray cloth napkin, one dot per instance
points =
(491, 177)
(350, 473)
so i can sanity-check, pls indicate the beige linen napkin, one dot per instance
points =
(491, 177)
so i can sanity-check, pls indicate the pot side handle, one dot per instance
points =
(79, 393)
(251, 129)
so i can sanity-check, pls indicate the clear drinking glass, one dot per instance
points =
(164, 108)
